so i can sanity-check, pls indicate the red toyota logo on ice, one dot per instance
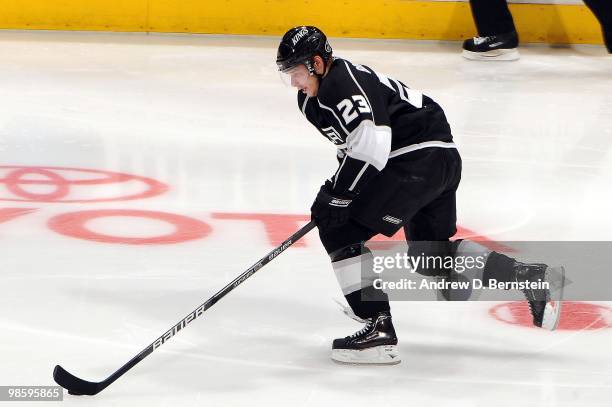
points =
(78, 185)
(75, 185)
(55, 184)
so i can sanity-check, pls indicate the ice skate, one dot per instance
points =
(544, 304)
(376, 343)
(502, 47)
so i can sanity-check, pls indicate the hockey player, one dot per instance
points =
(398, 167)
(498, 39)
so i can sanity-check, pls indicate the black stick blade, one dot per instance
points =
(73, 384)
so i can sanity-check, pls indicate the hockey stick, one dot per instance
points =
(77, 386)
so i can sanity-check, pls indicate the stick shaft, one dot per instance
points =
(202, 308)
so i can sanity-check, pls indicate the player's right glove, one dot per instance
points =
(329, 211)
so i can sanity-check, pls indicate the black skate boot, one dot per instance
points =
(544, 306)
(501, 47)
(376, 343)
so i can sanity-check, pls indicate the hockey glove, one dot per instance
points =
(329, 211)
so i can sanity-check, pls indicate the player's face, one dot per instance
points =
(303, 80)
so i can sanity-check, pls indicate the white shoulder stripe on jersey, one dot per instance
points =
(304, 105)
(419, 146)
(360, 88)
(384, 79)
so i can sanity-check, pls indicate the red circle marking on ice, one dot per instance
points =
(15, 179)
(73, 224)
(575, 316)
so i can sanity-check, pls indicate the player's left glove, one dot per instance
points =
(330, 210)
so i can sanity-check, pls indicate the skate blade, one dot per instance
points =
(378, 355)
(493, 55)
(552, 311)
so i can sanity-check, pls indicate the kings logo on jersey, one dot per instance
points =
(333, 135)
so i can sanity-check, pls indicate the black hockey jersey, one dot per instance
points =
(371, 118)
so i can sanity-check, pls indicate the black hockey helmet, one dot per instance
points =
(300, 45)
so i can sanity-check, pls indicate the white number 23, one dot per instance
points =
(347, 108)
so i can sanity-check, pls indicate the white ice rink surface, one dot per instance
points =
(208, 117)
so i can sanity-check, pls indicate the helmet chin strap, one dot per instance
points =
(312, 71)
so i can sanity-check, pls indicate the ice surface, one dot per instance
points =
(208, 117)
